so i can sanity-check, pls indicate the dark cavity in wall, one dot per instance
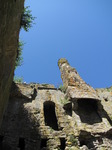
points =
(21, 143)
(1, 142)
(88, 111)
(68, 109)
(43, 144)
(50, 115)
(106, 99)
(82, 143)
(62, 143)
(88, 142)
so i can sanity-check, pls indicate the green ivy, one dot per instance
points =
(26, 23)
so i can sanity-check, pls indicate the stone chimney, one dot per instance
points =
(76, 88)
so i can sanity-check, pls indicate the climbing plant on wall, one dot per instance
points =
(26, 23)
(27, 19)
(19, 58)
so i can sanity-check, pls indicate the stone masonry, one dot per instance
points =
(42, 117)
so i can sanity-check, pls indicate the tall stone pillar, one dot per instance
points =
(75, 86)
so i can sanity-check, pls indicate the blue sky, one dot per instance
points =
(78, 30)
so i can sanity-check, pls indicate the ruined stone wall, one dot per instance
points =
(10, 15)
(39, 117)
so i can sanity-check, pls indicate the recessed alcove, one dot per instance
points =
(50, 115)
(68, 109)
(88, 111)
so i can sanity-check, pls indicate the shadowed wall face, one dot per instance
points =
(10, 16)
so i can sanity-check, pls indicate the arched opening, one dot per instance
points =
(88, 111)
(50, 115)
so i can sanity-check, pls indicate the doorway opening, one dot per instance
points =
(50, 115)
